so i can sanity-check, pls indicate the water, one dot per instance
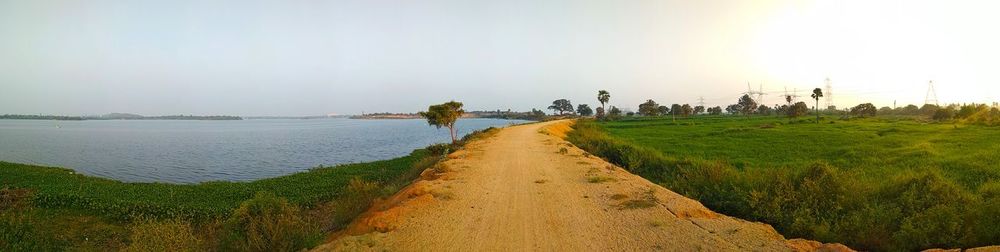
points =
(198, 151)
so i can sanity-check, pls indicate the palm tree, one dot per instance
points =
(817, 93)
(603, 96)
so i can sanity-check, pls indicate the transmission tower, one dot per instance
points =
(793, 96)
(931, 97)
(701, 101)
(829, 93)
(759, 93)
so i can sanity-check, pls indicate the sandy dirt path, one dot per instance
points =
(524, 190)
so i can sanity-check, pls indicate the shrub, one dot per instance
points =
(268, 223)
(168, 235)
(440, 149)
(939, 226)
(357, 197)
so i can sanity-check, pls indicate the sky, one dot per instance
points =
(245, 57)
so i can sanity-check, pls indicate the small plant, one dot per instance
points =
(563, 150)
(541, 181)
(268, 223)
(600, 179)
(656, 223)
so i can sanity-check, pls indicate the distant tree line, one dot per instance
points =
(119, 117)
(42, 117)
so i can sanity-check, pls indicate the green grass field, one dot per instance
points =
(878, 184)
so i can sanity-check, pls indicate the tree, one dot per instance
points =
(649, 108)
(686, 110)
(603, 96)
(444, 115)
(885, 110)
(663, 110)
(733, 109)
(798, 109)
(717, 110)
(943, 114)
(747, 105)
(817, 93)
(864, 109)
(764, 110)
(781, 110)
(561, 106)
(614, 113)
(584, 110)
(699, 109)
(910, 110)
(928, 109)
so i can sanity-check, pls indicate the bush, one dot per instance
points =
(937, 227)
(268, 223)
(440, 149)
(357, 197)
(169, 235)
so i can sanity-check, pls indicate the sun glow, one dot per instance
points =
(881, 51)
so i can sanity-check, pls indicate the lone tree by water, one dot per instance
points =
(444, 115)
(817, 93)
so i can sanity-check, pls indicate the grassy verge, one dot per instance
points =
(46, 208)
(872, 184)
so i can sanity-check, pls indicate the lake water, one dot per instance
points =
(198, 151)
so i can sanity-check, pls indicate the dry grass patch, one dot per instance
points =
(619, 196)
(600, 179)
(168, 235)
(647, 200)
(443, 195)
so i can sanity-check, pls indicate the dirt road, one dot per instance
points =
(523, 190)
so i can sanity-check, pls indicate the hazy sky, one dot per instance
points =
(247, 57)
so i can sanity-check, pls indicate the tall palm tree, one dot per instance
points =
(817, 93)
(603, 96)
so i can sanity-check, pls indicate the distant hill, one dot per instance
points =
(120, 116)
(42, 117)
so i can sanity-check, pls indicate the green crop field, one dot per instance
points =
(878, 184)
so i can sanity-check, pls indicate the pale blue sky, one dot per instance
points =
(316, 57)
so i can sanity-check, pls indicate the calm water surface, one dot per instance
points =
(198, 151)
